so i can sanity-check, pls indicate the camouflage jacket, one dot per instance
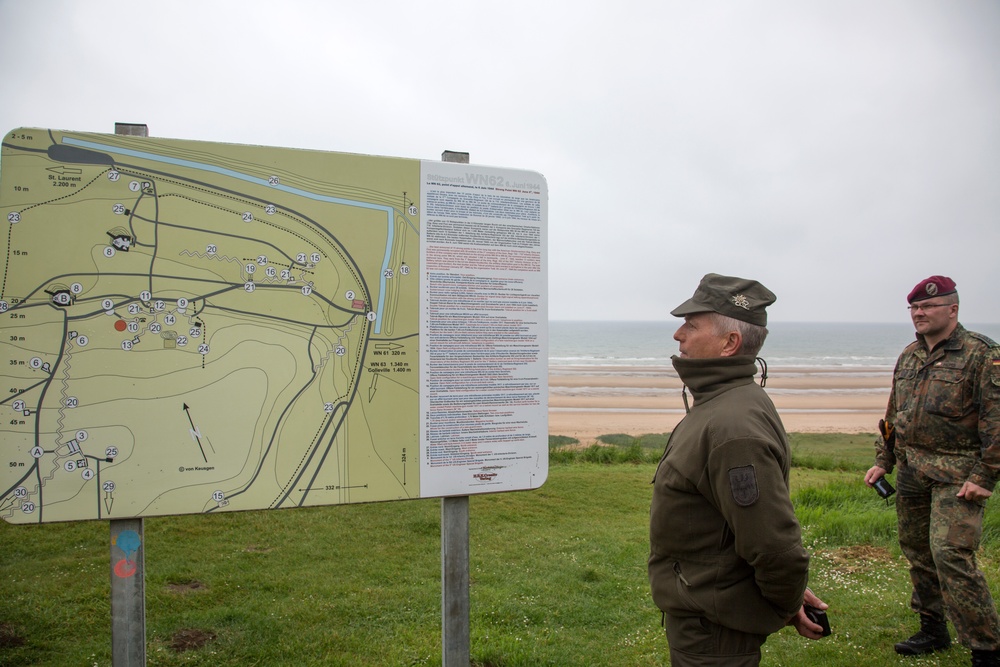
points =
(945, 406)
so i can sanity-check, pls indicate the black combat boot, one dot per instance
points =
(933, 636)
(985, 658)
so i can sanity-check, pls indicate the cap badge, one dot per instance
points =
(931, 288)
(741, 301)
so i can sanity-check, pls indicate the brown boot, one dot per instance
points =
(933, 636)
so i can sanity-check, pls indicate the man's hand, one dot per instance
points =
(801, 622)
(973, 492)
(875, 473)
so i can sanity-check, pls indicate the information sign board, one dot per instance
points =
(194, 327)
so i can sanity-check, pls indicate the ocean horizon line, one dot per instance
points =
(855, 347)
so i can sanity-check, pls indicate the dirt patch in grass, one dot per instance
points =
(190, 639)
(183, 587)
(857, 558)
(10, 637)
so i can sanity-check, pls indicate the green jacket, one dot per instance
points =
(945, 406)
(724, 540)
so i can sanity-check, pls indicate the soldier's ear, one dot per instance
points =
(733, 344)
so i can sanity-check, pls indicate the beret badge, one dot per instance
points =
(931, 287)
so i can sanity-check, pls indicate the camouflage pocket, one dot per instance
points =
(905, 384)
(946, 394)
(964, 520)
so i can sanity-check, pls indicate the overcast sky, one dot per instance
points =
(836, 150)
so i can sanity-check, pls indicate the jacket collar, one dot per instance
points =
(709, 377)
(952, 342)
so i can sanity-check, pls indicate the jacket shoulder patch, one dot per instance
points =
(743, 484)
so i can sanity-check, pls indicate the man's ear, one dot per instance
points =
(734, 341)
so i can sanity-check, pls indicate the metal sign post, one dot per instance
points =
(455, 581)
(128, 594)
(455, 558)
(128, 570)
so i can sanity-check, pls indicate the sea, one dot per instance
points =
(855, 347)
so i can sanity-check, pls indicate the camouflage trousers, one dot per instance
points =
(939, 533)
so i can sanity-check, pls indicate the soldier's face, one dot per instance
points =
(932, 317)
(698, 339)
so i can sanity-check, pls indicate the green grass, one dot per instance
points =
(614, 448)
(558, 576)
(832, 451)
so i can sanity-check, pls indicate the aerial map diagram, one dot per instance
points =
(192, 327)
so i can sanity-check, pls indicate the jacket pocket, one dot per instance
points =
(947, 395)
(905, 385)
(683, 589)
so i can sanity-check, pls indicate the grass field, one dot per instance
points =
(558, 576)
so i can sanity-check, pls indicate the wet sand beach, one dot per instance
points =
(588, 401)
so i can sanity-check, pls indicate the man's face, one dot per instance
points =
(697, 337)
(932, 317)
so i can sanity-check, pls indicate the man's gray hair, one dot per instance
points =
(753, 334)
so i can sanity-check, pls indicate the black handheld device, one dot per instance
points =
(883, 488)
(818, 616)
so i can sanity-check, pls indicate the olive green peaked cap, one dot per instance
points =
(734, 297)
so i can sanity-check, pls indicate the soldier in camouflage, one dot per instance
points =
(942, 428)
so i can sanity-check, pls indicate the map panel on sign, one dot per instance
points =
(193, 327)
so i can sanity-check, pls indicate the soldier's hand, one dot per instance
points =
(874, 474)
(801, 622)
(973, 492)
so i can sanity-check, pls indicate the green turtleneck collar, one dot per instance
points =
(709, 377)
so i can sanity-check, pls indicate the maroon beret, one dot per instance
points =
(930, 287)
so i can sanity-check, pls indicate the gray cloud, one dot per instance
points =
(838, 150)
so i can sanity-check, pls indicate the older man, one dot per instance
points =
(726, 566)
(942, 427)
